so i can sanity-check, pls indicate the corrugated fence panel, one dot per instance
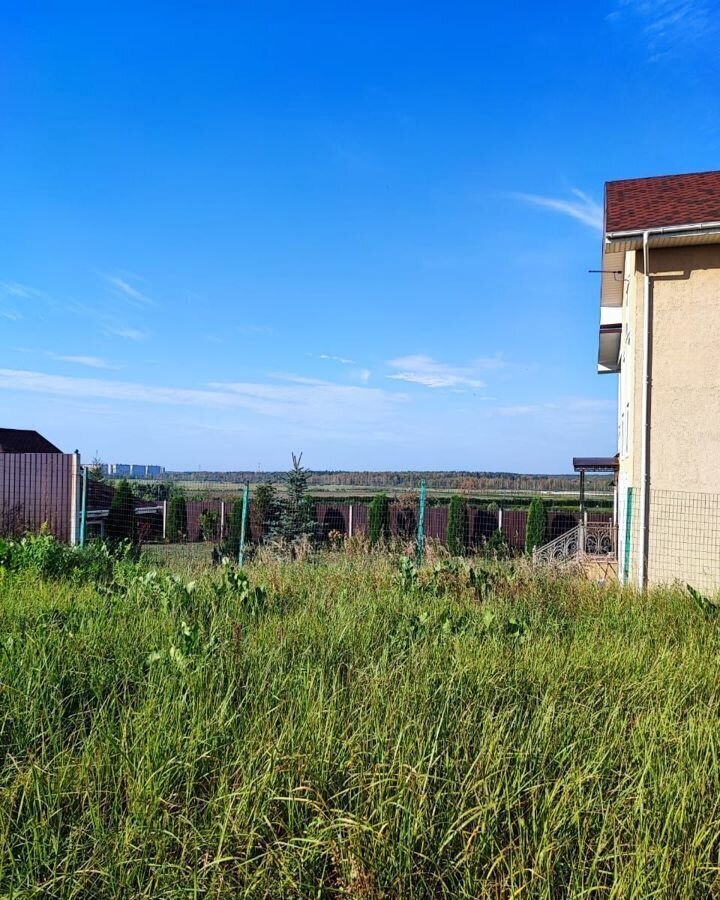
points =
(332, 517)
(36, 488)
(594, 516)
(403, 521)
(560, 521)
(482, 523)
(514, 524)
(360, 518)
(436, 522)
(195, 508)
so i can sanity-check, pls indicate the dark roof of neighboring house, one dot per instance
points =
(595, 463)
(100, 495)
(636, 204)
(21, 440)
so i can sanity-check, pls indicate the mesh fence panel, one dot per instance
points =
(211, 527)
(682, 528)
(682, 538)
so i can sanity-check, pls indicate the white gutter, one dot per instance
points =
(666, 229)
(644, 467)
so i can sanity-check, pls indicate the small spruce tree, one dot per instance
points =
(176, 528)
(536, 531)
(457, 529)
(95, 469)
(297, 514)
(379, 519)
(121, 517)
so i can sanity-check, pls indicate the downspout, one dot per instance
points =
(644, 466)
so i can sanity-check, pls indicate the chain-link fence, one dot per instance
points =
(269, 515)
(677, 537)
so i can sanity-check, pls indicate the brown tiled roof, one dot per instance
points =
(21, 440)
(640, 203)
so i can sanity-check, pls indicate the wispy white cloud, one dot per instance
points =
(331, 358)
(128, 291)
(361, 375)
(15, 289)
(92, 362)
(129, 334)
(310, 402)
(429, 372)
(285, 376)
(583, 208)
(669, 24)
(11, 315)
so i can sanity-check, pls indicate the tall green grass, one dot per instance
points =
(355, 730)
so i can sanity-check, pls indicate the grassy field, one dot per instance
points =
(342, 493)
(351, 728)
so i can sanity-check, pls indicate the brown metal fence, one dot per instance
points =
(39, 489)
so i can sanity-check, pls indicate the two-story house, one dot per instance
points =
(660, 331)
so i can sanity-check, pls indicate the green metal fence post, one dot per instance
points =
(243, 522)
(628, 535)
(421, 526)
(83, 506)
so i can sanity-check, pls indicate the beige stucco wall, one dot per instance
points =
(685, 386)
(684, 410)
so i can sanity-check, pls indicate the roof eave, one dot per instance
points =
(664, 235)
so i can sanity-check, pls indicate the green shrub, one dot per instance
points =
(457, 529)
(121, 525)
(264, 509)
(209, 525)
(231, 544)
(536, 532)
(379, 519)
(497, 545)
(43, 555)
(176, 529)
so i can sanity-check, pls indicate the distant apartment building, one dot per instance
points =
(127, 470)
(660, 332)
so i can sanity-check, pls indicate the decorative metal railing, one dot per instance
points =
(596, 540)
(600, 539)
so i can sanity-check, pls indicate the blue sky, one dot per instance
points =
(233, 230)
